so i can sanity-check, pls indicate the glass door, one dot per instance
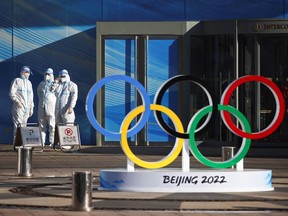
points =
(212, 61)
(162, 63)
(274, 64)
(119, 97)
(264, 55)
(149, 59)
(218, 57)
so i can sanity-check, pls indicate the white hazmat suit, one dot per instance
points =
(21, 94)
(67, 95)
(47, 106)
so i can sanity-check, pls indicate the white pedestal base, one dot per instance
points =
(197, 180)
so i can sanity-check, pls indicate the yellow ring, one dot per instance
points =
(166, 160)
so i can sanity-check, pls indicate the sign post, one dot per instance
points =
(27, 138)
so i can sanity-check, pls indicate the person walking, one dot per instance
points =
(21, 94)
(47, 106)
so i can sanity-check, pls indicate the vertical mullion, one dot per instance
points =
(258, 91)
(136, 77)
(146, 84)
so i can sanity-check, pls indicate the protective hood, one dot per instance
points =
(67, 78)
(51, 78)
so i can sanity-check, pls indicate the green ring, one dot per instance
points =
(245, 143)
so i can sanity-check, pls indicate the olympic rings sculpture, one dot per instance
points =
(192, 128)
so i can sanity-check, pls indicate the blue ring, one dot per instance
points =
(90, 113)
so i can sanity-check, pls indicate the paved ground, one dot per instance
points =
(48, 191)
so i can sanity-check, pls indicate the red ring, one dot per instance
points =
(280, 107)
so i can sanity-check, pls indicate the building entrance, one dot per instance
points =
(219, 55)
(216, 52)
(264, 55)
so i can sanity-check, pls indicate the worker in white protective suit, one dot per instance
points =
(47, 106)
(67, 95)
(21, 94)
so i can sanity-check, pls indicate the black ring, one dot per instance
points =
(159, 96)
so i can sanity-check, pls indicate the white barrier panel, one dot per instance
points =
(31, 136)
(197, 180)
(28, 135)
(68, 135)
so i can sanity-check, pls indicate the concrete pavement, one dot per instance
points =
(48, 191)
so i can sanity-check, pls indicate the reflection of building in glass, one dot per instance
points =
(215, 51)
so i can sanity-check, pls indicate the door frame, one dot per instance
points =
(110, 29)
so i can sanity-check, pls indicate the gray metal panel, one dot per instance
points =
(166, 28)
(146, 28)
(263, 26)
(214, 28)
(259, 26)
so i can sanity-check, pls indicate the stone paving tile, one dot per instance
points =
(52, 176)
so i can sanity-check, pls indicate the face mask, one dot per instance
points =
(47, 78)
(63, 79)
(25, 75)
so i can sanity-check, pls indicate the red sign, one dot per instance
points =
(68, 131)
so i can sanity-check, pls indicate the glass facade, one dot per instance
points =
(212, 60)
(61, 34)
(150, 60)
(119, 96)
(215, 57)
(266, 56)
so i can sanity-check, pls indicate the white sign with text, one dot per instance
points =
(226, 180)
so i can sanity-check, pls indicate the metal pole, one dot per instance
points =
(81, 191)
(227, 153)
(24, 167)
